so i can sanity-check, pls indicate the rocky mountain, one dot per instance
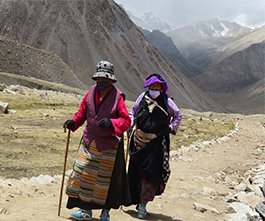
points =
(165, 44)
(201, 38)
(217, 55)
(237, 82)
(250, 100)
(24, 60)
(84, 32)
(149, 22)
(236, 72)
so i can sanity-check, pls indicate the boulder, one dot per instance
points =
(4, 107)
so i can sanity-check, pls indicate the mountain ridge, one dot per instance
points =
(168, 48)
(84, 32)
(204, 37)
(235, 72)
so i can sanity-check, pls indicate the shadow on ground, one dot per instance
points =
(152, 216)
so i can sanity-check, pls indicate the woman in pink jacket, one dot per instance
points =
(98, 179)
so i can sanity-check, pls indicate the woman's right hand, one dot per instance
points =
(69, 124)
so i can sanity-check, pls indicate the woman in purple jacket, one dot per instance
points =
(153, 117)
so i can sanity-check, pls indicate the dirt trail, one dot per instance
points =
(191, 174)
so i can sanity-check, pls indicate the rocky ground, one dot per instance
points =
(221, 179)
(217, 180)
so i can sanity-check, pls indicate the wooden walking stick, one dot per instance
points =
(126, 154)
(127, 151)
(64, 168)
(128, 145)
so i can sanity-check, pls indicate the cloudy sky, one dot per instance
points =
(182, 12)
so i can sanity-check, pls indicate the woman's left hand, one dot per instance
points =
(105, 123)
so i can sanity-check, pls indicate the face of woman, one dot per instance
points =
(155, 90)
(155, 86)
(103, 84)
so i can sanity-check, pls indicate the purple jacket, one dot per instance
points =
(173, 111)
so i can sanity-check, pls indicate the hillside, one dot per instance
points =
(211, 58)
(212, 177)
(165, 44)
(149, 21)
(83, 32)
(14, 79)
(236, 72)
(40, 113)
(255, 37)
(250, 100)
(27, 61)
(197, 40)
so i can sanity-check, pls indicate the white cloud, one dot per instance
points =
(182, 12)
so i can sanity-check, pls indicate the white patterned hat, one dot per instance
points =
(104, 69)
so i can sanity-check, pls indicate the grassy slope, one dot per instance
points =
(14, 79)
(32, 140)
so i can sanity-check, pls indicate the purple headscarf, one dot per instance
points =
(156, 78)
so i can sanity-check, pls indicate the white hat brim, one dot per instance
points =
(102, 74)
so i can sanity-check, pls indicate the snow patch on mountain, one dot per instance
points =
(149, 22)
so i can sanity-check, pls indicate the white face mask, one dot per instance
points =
(154, 93)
